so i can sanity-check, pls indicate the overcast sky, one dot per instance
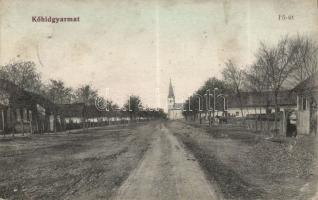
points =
(134, 47)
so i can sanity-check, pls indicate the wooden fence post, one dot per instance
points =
(3, 123)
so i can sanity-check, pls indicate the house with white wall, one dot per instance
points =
(260, 103)
(307, 112)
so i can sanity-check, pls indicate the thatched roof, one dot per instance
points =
(72, 110)
(21, 98)
(254, 99)
(87, 111)
(92, 112)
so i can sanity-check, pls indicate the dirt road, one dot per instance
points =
(167, 171)
(86, 165)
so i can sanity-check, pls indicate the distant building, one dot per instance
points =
(174, 109)
(307, 99)
(255, 103)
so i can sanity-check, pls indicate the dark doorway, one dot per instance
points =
(291, 129)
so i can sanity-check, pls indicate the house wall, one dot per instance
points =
(51, 123)
(22, 113)
(75, 120)
(92, 119)
(255, 110)
(303, 122)
(303, 115)
(22, 122)
(250, 110)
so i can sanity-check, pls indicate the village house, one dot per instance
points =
(72, 115)
(22, 111)
(260, 103)
(96, 117)
(307, 98)
(79, 115)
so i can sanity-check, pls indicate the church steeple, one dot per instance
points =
(171, 93)
(171, 98)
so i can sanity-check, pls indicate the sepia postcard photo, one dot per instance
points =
(158, 100)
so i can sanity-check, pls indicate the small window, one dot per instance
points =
(237, 113)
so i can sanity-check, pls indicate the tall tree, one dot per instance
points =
(234, 76)
(279, 62)
(306, 58)
(23, 74)
(133, 105)
(103, 104)
(86, 94)
(58, 93)
(256, 81)
(202, 99)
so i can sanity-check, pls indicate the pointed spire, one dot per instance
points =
(171, 93)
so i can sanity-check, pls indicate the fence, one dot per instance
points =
(266, 123)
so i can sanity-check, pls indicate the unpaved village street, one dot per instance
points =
(156, 160)
(94, 165)
(167, 172)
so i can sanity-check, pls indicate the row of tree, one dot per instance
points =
(24, 75)
(276, 67)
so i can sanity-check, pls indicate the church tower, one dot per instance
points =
(171, 97)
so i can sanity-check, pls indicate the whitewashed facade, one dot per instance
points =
(174, 109)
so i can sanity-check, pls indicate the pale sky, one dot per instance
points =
(134, 47)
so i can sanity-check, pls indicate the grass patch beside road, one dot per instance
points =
(245, 166)
(230, 183)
